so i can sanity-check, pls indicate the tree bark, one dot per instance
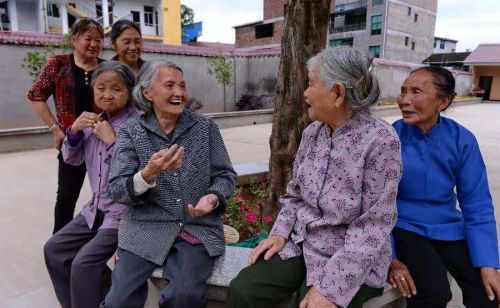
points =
(306, 26)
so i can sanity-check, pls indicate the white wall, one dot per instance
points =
(124, 7)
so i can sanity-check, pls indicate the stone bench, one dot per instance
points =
(230, 264)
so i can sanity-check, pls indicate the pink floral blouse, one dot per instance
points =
(340, 206)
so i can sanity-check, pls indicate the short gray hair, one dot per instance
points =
(349, 67)
(122, 69)
(145, 78)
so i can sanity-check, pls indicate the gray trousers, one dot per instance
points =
(76, 259)
(186, 269)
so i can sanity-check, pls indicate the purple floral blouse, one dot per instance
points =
(340, 206)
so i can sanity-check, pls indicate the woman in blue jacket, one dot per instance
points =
(442, 164)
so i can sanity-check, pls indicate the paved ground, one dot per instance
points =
(28, 185)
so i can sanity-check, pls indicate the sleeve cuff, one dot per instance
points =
(74, 139)
(140, 185)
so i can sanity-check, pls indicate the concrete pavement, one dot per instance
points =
(28, 185)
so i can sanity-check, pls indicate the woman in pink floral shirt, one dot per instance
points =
(332, 233)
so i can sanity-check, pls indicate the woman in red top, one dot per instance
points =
(67, 78)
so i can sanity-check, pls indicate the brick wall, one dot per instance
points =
(274, 8)
(245, 36)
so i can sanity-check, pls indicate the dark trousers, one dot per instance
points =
(186, 269)
(76, 259)
(69, 183)
(267, 283)
(428, 260)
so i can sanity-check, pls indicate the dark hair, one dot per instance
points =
(122, 25)
(122, 69)
(84, 24)
(442, 79)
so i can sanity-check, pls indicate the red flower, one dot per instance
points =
(251, 217)
(239, 197)
(268, 219)
(243, 207)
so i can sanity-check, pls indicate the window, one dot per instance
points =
(441, 46)
(412, 45)
(148, 16)
(406, 40)
(378, 2)
(376, 24)
(409, 11)
(453, 50)
(434, 43)
(416, 17)
(374, 50)
(265, 30)
(53, 10)
(345, 41)
(136, 16)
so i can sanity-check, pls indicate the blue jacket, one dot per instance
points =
(438, 169)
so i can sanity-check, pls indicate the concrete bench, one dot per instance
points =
(230, 264)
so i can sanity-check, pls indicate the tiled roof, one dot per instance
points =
(485, 54)
(203, 49)
(449, 57)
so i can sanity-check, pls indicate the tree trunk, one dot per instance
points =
(306, 26)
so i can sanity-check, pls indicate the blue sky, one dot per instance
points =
(469, 22)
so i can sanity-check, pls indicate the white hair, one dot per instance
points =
(349, 67)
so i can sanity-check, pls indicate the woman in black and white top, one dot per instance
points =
(170, 166)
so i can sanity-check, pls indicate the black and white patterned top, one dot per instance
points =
(154, 219)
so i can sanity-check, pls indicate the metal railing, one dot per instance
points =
(339, 8)
(347, 28)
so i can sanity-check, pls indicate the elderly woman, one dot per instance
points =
(76, 255)
(127, 41)
(332, 233)
(67, 78)
(172, 170)
(442, 165)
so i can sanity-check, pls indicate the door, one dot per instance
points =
(485, 84)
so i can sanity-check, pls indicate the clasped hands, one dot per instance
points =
(101, 128)
(171, 159)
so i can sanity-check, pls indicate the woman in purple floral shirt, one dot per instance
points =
(330, 243)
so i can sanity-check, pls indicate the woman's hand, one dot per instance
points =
(104, 131)
(86, 119)
(161, 161)
(491, 282)
(314, 299)
(205, 206)
(272, 244)
(58, 137)
(399, 276)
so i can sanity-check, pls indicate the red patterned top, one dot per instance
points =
(56, 78)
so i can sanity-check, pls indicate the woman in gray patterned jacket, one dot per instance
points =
(170, 166)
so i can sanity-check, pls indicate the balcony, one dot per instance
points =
(347, 28)
(342, 9)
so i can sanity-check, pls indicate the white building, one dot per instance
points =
(444, 45)
(159, 19)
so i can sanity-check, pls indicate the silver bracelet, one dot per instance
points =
(53, 126)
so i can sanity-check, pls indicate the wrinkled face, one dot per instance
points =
(128, 46)
(319, 98)
(420, 101)
(88, 44)
(167, 92)
(110, 92)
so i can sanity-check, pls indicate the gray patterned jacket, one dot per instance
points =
(154, 219)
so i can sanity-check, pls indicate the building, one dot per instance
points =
(450, 60)
(444, 45)
(399, 30)
(485, 63)
(266, 33)
(159, 19)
